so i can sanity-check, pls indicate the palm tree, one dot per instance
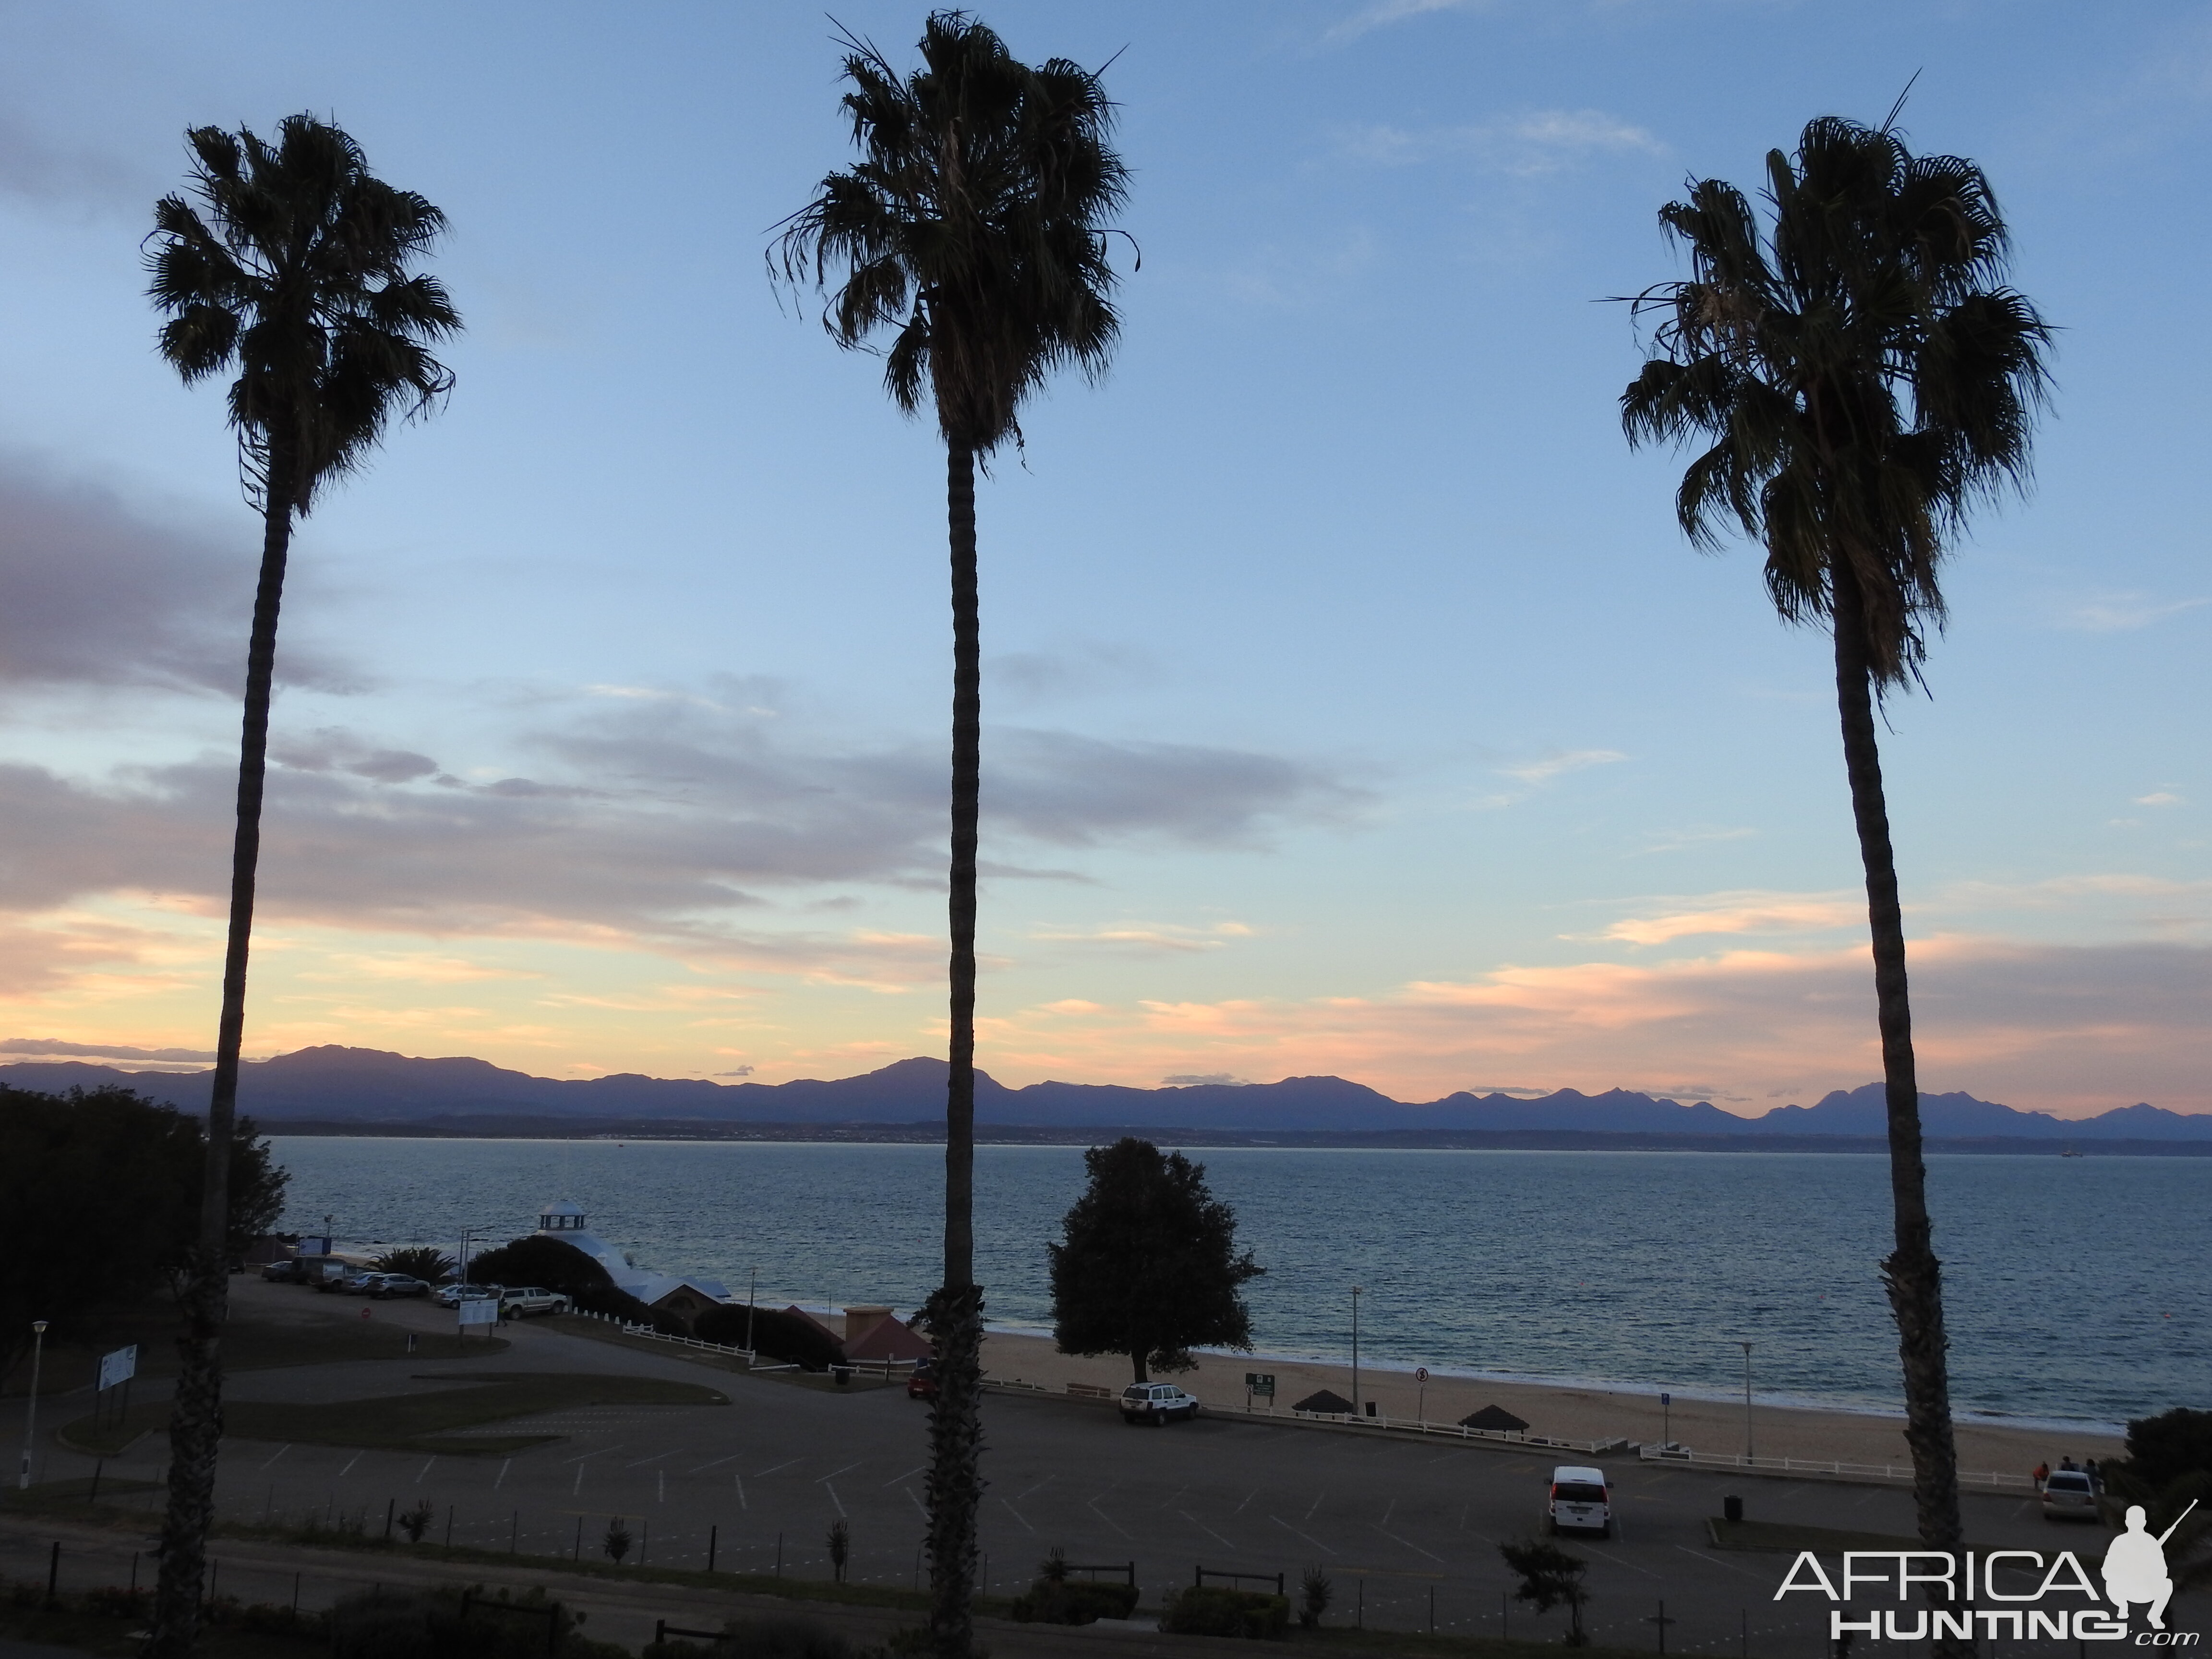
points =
(298, 277)
(1864, 378)
(971, 228)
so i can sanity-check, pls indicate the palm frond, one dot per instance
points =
(1855, 367)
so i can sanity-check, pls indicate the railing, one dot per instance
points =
(1992, 1479)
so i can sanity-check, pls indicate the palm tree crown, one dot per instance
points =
(1861, 369)
(303, 282)
(973, 226)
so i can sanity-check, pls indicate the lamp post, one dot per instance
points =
(1750, 1454)
(31, 1405)
(1355, 1350)
(752, 1290)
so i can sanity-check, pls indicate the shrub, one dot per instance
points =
(1073, 1602)
(789, 1339)
(764, 1638)
(1315, 1594)
(416, 1520)
(423, 1261)
(1210, 1610)
(443, 1623)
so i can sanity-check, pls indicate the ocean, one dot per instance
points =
(2075, 1289)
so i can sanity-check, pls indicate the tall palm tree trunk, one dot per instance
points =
(196, 1412)
(1912, 1275)
(956, 1419)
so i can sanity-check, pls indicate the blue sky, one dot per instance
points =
(1352, 703)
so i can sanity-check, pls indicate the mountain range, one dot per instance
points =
(334, 1085)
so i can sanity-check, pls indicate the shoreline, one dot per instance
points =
(1581, 1410)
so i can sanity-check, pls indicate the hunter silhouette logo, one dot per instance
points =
(2135, 1566)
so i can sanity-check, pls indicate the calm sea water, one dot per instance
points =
(2076, 1289)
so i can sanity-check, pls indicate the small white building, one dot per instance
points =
(683, 1295)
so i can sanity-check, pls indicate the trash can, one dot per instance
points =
(1371, 1409)
(1731, 1507)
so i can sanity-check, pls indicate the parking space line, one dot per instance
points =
(759, 1473)
(701, 1469)
(643, 1462)
(1207, 1530)
(823, 1480)
(1249, 1496)
(1039, 1487)
(1308, 1537)
(660, 1486)
(1107, 1519)
(350, 1462)
(1018, 1515)
(916, 1502)
(1407, 1544)
(1717, 1562)
(833, 1498)
(281, 1450)
(908, 1475)
(1316, 1505)
(505, 1465)
(740, 1480)
(1171, 1502)
(602, 1452)
(426, 1469)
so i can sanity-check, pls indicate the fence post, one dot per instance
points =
(711, 1537)
(53, 1570)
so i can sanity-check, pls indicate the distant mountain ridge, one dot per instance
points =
(372, 1086)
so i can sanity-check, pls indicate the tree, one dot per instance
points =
(298, 277)
(99, 1196)
(1864, 379)
(1147, 1265)
(2168, 1464)
(1550, 1577)
(424, 1261)
(971, 229)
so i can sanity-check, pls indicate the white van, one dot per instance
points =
(1580, 1501)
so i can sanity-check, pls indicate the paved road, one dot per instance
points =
(1397, 1524)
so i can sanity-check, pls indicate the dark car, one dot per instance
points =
(922, 1385)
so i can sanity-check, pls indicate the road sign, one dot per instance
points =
(1666, 1398)
(1261, 1383)
(1421, 1373)
(119, 1367)
(478, 1310)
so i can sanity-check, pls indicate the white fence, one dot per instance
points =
(1989, 1480)
(884, 1368)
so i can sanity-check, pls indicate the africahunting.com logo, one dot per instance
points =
(2017, 1582)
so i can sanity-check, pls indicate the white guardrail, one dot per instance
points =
(1991, 1479)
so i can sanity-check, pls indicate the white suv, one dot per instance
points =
(1580, 1501)
(1156, 1403)
(2069, 1495)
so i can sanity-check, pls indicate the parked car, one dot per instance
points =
(286, 1272)
(386, 1285)
(2069, 1495)
(520, 1302)
(1580, 1501)
(360, 1283)
(1156, 1403)
(922, 1384)
(452, 1295)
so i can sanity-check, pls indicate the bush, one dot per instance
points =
(559, 1266)
(1210, 1610)
(789, 1339)
(1071, 1601)
(444, 1624)
(764, 1638)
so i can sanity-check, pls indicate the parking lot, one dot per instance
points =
(1406, 1530)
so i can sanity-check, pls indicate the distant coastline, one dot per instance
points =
(509, 1128)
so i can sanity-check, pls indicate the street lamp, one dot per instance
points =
(1355, 1350)
(31, 1406)
(1749, 1456)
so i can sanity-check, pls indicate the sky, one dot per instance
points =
(1352, 703)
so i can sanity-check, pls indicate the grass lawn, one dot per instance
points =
(409, 1422)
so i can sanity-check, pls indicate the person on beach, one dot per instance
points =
(2042, 1475)
(2096, 1475)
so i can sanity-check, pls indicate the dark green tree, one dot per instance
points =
(290, 264)
(972, 231)
(1863, 377)
(1550, 1577)
(2168, 1467)
(100, 1195)
(424, 1261)
(1147, 1265)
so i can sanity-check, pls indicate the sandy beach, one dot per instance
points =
(1571, 1413)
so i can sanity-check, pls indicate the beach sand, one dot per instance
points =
(1569, 1414)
